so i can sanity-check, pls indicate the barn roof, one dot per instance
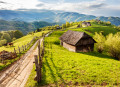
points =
(86, 23)
(73, 37)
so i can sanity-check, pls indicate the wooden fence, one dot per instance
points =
(24, 47)
(39, 57)
(38, 63)
(19, 50)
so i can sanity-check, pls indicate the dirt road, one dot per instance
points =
(19, 77)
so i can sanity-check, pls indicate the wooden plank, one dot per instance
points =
(14, 51)
(19, 49)
(37, 69)
(39, 53)
(23, 47)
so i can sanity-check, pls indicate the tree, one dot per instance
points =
(6, 36)
(11, 33)
(100, 39)
(112, 45)
(108, 23)
(3, 42)
(18, 34)
(67, 24)
(14, 39)
(63, 26)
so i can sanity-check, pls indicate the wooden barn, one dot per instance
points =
(77, 41)
(86, 24)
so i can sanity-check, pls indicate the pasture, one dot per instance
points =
(64, 68)
(19, 42)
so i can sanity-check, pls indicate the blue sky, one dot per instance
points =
(90, 7)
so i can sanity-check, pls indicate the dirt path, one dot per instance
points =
(19, 77)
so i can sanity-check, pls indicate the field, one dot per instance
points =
(64, 68)
(19, 42)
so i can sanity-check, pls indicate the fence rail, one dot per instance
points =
(23, 47)
(18, 63)
(38, 58)
(18, 51)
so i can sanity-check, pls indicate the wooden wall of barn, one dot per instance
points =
(69, 47)
(85, 48)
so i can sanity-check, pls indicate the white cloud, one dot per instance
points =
(96, 7)
(17, 4)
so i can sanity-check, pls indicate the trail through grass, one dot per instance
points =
(19, 42)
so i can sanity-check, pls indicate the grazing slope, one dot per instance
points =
(62, 67)
(21, 41)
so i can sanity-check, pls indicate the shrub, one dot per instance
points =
(18, 34)
(100, 39)
(6, 36)
(63, 26)
(3, 42)
(112, 45)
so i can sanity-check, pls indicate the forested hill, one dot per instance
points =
(25, 27)
(52, 16)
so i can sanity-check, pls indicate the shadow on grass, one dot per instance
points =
(43, 82)
(96, 54)
(57, 71)
(51, 71)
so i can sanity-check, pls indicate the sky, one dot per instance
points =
(89, 7)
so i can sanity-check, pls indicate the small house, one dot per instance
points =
(58, 27)
(97, 20)
(78, 26)
(77, 41)
(86, 24)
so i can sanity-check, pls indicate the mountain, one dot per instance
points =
(51, 16)
(25, 27)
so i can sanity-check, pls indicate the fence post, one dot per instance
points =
(19, 49)
(43, 47)
(23, 47)
(14, 51)
(39, 53)
(27, 45)
(38, 69)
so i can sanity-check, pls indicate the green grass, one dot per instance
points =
(19, 42)
(62, 67)
(97, 28)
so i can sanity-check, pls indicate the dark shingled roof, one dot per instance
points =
(86, 23)
(73, 37)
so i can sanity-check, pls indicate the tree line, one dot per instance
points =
(9, 36)
(109, 44)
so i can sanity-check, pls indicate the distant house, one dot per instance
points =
(97, 20)
(58, 27)
(78, 26)
(86, 24)
(77, 41)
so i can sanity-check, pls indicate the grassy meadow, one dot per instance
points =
(19, 42)
(64, 68)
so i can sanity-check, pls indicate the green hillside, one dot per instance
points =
(25, 27)
(21, 41)
(18, 42)
(64, 68)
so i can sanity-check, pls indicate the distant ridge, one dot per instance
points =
(51, 16)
